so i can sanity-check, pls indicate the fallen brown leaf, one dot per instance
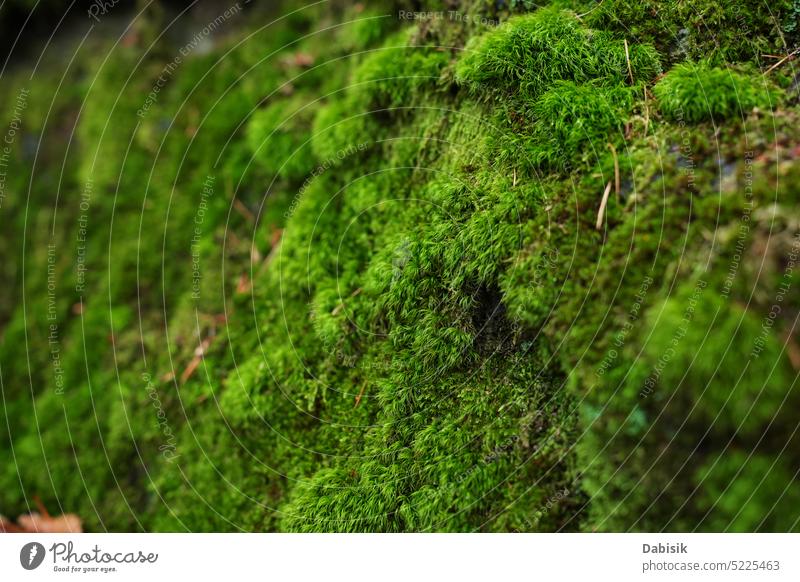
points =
(37, 523)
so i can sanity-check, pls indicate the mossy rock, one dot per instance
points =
(532, 269)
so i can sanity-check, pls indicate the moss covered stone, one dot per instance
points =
(350, 273)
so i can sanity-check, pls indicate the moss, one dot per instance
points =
(420, 484)
(568, 86)
(420, 326)
(528, 54)
(698, 30)
(368, 26)
(395, 74)
(695, 92)
(279, 137)
(340, 128)
(750, 490)
(574, 120)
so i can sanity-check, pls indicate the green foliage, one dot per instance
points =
(568, 86)
(792, 18)
(367, 26)
(743, 491)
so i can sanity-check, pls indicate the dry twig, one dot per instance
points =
(616, 169)
(602, 212)
(628, 59)
(788, 57)
(338, 309)
(360, 394)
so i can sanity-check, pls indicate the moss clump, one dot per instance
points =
(574, 120)
(559, 89)
(339, 128)
(396, 74)
(279, 138)
(743, 490)
(704, 29)
(528, 54)
(436, 465)
(695, 374)
(695, 92)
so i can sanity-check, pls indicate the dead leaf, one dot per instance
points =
(243, 286)
(199, 353)
(42, 522)
(37, 523)
(7, 526)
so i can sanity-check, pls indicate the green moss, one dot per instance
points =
(574, 120)
(367, 26)
(695, 92)
(562, 88)
(279, 137)
(420, 326)
(394, 75)
(527, 54)
(698, 30)
(744, 491)
(340, 128)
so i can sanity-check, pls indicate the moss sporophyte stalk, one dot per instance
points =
(347, 269)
